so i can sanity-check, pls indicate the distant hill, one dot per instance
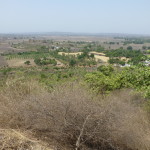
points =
(30, 34)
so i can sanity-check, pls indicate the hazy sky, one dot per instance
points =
(92, 16)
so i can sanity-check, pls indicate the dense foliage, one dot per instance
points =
(116, 61)
(80, 60)
(124, 53)
(45, 61)
(135, 56)
(106, 80)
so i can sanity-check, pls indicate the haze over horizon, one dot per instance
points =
(80, 16)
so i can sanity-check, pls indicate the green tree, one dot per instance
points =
(92, 56)
(129, 48)
(72, 63)
(37, 61)
(106, 70)
(144, 47)
(27, 62)
(99, 82)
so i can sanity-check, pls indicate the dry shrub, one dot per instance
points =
(71, 116)
(128, 124)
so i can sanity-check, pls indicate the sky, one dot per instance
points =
(78, 16)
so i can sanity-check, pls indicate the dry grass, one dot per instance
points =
(97, 53)
(72, 117)
(71, 54)
(11, 139)
(101, 58)
(2, 62)
(20, 62)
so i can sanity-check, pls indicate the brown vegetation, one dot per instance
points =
(19, 140)
(3, 62)
(71, 117)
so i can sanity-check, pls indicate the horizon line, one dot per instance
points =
(75, 33)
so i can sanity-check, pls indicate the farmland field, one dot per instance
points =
(102, 58)
(97, 56)
(20, 62)
(26, 55)
(19, 59)
(3, 62)
(71, 54)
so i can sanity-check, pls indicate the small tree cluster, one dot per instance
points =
(45, 61)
